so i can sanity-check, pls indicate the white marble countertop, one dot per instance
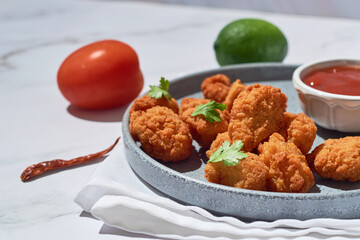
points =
(37, 123)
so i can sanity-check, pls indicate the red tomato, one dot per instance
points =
(104, 74)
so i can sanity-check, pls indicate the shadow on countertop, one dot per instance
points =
(108, 115)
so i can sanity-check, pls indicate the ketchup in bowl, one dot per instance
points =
(343, 80)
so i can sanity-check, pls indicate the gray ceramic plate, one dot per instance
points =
(185, 181)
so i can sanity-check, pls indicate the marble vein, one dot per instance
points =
(5, 58)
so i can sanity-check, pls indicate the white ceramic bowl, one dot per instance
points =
(328, 110)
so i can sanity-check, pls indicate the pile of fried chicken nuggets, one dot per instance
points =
(276, 142)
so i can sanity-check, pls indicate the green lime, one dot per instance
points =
(250, 40)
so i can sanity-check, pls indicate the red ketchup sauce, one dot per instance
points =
(343, 80)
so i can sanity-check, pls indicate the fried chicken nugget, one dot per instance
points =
(257, 112)
(145, 102)
(249, 173)
(216, 87)
(219, 140)
(300, 130)
(338, 159)
(202, 131)
(163, 135)
(235, 88)
(288, 169)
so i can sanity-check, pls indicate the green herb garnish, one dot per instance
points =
(209, 112)
(161, 90)
(229, 155)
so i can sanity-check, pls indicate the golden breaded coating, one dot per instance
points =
(235, 88)
(288, 169)
(216, 87)
(250, 173)
(300, 130)
(146, 102)
(338, 159)
(163, 135)
(202, 131)
(257, 112)
(219, 140)
(187, 103)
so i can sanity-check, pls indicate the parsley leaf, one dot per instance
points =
(229, 155)
(161, 90)
(209, 112)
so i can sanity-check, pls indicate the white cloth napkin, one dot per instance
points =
(120, 199)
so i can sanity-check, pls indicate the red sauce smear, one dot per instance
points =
(343, 80)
